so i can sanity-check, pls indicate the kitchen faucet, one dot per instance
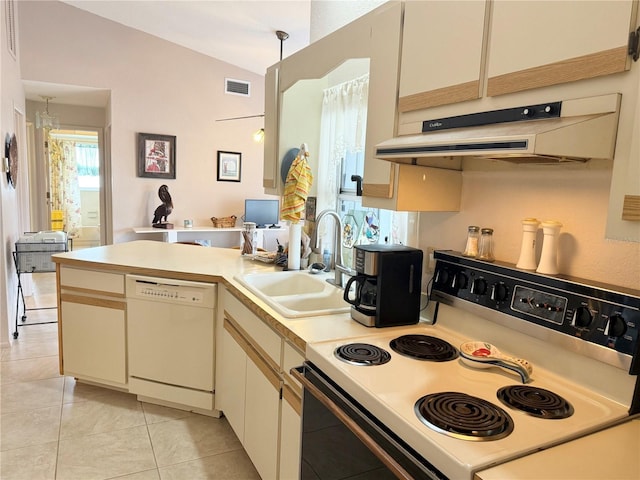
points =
(339, 269)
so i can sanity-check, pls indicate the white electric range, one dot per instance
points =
(581, 342)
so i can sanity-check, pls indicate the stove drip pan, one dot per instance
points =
(362, 354)
(535, 401)
(424, 347)
(463, 416)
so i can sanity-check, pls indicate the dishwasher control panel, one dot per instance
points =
(171, 291)
(168, 292)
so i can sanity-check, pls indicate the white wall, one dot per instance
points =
(13, 207)
(327, 17)
(156, 87)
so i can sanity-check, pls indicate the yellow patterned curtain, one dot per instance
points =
(65, 191)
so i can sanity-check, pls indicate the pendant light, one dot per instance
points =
(44, 119)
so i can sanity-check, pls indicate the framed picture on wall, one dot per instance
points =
(229, 166)
(156, 155)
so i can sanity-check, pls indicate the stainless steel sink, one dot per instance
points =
(296, 294)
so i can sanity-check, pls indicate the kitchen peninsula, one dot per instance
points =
(255, 347)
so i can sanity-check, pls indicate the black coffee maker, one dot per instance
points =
(386, 289)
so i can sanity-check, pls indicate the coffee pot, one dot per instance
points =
(385, 291)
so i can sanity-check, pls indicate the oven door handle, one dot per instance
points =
(363, 436)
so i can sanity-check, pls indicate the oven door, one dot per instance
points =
(341, 439)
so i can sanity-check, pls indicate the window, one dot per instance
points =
(88, 163)
(342, 142)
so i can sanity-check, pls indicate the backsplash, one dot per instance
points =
(576, 197)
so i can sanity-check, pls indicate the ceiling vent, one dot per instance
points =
(237, 87)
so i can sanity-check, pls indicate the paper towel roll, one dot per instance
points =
(295, 237)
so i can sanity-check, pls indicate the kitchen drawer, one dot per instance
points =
(261, 336)
(91, 281)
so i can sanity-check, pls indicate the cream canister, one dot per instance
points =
(527, 259)
(549, 256)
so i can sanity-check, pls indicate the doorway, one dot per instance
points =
(74, 184)
(73, 160)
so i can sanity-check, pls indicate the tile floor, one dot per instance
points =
(53, 427)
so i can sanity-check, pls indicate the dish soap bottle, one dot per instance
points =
(326, 259)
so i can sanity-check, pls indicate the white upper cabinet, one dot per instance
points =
(386, 30)
(623, 221)
(294, 90)
(540, 43)
(442, 53)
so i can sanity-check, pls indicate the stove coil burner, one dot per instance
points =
(424, 347)
(362, 354)
(535, 401)
(463, 416)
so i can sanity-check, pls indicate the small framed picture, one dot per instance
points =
(156, 155)
(229, 166)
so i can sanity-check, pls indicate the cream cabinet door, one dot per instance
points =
(231, 375)
(623, 220)
(262, 417)
(290, 435)
(381, 108)
(442, 53)
(93, 340)
(535, 44)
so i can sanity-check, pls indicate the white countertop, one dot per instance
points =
(613, 454)
(190, 262)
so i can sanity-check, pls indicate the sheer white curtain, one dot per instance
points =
(342, 129)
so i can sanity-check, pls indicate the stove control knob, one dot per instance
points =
(499, 292)
(582, 317)
(442, 277)
(479, 286)
(460, 281)
(616, 326)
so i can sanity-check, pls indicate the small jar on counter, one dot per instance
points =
(473, 234)
(485, 250)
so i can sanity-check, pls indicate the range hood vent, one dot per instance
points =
(564, 131)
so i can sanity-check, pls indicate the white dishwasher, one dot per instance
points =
(170, 336)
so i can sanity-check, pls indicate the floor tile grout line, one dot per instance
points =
(55, 471)
(153, 450)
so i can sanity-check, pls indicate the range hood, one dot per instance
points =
(561, 131)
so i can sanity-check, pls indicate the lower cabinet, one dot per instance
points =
(92, 326)
(261, 417)
(290, 435)
(253, 390)
(231, 378)
(94, 343)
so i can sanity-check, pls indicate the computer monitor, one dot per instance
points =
(263, 213)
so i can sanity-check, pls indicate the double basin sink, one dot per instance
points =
(295, 294)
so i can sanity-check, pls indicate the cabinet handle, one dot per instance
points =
(363, 436)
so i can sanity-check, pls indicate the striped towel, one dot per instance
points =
(296, 188)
